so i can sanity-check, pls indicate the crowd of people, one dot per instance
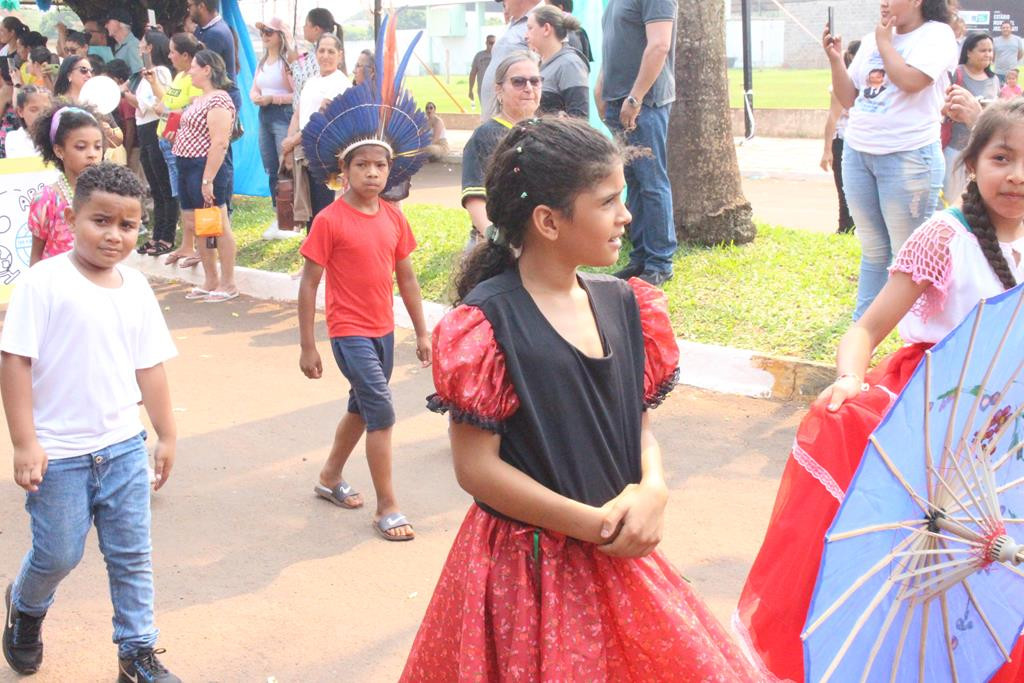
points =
(555, 572)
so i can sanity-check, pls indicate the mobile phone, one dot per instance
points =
(147, 61)
(151, 17)
(831, 20)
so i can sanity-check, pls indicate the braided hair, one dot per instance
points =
(995, 120)
(546, 161)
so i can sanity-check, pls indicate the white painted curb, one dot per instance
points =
(715, 368)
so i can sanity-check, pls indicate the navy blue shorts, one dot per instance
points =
(190, 182)
(367, 363)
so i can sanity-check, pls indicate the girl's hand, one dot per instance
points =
(840, 391)
(883, 33)
(30, 465)
(826, 160)
(638, 513)
(208, 195)
(310, 364)
(163, 458)
(423, 349)
(149, 75)
(833, 45)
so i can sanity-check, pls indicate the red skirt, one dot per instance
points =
(828, 448)
(502, 611)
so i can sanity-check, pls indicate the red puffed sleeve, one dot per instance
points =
(469, 372)
(661, 364)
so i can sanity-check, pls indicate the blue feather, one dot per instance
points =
(400, 73)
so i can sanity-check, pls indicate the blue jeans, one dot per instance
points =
(648, 191)
(172, 165)
(108, 488)
(889, 196)
(274, 120)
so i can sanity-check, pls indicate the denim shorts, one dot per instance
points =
(367, 363)
(190, 183)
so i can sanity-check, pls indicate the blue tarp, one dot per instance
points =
(250, 178)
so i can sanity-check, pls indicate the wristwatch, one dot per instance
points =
(632, 101)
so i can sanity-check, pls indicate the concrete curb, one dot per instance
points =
(716, 368)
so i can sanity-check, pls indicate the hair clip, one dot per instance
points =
(519, 149)
(494, 235)
(523, 195)
(515, 169)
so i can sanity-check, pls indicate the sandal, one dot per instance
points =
(144, 249)
(189, 261)
(197, 293)
(172, 259)
(385, 524)
(338, 495)
(160, 248)
(218, 296)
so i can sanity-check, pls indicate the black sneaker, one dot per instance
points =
(656, 277)
(631, 270)
(23, 648)
(144, 667)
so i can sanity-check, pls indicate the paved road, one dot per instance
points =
(257, 578)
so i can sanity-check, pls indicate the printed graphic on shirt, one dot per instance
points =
(874, 98)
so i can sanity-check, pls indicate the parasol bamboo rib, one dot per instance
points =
(900, 478)
(883, 631)
(946, 451)
(955, 539)
(925, 613)
(941, 582)
(929, 457)
(988, 374)
(874, 528)
(986, 484)
(1007, 455)
(954, 551)
(949, 489)
(935, 569)
(997, 437)
(984, 620)
(949, 640)
(879, 566)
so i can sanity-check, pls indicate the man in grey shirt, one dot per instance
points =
(119, 26)
(481, 61)
(1009, 51)
(634, 94)
(512, 40)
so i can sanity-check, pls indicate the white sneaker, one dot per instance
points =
(271, 232)
(287, 234)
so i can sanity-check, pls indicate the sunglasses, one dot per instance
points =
(83, 70)
(267, 31)
(519, 82)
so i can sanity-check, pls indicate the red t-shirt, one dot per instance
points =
(359, 252)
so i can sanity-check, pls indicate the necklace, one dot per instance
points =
(64, 187)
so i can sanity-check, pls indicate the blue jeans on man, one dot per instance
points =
(109, 488)
(648, 191)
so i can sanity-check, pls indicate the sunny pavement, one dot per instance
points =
(258, 580)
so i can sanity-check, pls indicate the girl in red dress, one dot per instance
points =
(951, 262)
(547, 374)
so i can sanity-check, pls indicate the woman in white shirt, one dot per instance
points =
(155, 50)
(893, 166)
(273, 92)
(317, 92)
(29, 103)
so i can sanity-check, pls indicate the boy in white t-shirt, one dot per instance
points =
(83, 343)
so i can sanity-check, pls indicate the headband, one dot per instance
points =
(364, 143)
(59, 114)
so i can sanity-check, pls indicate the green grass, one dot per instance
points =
(790, 292)
(773, 89)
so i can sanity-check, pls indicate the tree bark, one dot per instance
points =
(710, 207)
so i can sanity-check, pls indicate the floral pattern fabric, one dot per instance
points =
(512, 607)
(46, 221)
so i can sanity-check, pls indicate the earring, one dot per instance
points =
(971, 177)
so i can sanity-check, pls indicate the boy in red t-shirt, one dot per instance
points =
(362, 243)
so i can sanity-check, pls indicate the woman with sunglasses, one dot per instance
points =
(273, 92)
(73, 73)
(517, 85)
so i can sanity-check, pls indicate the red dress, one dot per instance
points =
(517, 603)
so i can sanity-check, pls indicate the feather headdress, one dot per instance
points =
(376, 112)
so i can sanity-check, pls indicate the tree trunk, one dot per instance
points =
(709, 204)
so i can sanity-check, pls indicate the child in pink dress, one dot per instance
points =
(71, 139)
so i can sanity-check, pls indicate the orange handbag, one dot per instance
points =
(208, 225)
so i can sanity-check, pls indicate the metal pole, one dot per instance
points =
(748, 71)
(376, 18)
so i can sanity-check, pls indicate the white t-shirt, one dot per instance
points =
(145, 112)
(943, 252)
(884, 119)
(85, 342)
(316, 90)
(18, 143)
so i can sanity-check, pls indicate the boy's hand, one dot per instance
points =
(163, 458)
(638, 515)
(30, 464)
(309, 363)
(423, 349)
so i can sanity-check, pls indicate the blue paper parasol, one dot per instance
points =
(920, 578)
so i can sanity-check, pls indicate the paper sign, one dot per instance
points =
(21, 181)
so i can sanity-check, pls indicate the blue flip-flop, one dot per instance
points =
(338, 494)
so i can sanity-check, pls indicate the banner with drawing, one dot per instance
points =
(20, 183)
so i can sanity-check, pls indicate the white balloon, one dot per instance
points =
(102, 93)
